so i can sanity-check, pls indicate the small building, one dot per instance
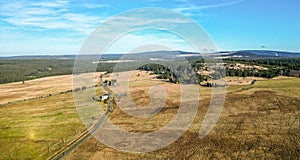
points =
(104, 97)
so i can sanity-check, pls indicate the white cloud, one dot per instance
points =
(62, 15)
(220, 4)
(49, 15)
(190, 9)
(55, 4)
(132, 23)
(93, 6)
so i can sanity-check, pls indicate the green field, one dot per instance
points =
(36, 129)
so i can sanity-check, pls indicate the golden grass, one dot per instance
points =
(279, 86)
(34, 88)
(259, 122)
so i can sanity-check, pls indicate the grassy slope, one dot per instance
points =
(256, 122)
(37, 128)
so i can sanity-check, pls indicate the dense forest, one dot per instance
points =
(18, 70)
(26, 69)
(175, 73)
(276, 67)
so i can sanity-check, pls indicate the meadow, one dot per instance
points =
(36, 129)
(257, 122)
(38, 117)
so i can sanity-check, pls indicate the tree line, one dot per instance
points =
(175, 73)
(276, 67)
(183, 74)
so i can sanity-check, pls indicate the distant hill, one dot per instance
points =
(40, 57)
(164, 55)
(258, 54)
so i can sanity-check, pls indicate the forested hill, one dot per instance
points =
(16, 70)
(258, 54)
(167, 55)
(22, 68)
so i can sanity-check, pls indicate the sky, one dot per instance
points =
(34, 27)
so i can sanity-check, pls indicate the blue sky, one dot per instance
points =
(62, 26)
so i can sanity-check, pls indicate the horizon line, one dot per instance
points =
(75, 54)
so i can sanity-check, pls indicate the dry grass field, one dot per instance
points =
(257, 122)
(34, 88)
